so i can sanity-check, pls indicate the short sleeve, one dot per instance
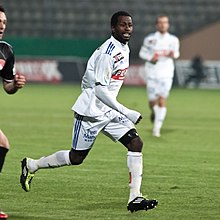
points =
(7, 70)
(147, 51)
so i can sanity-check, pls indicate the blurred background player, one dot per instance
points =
(159, 50)
(11, 84)
(97, 110)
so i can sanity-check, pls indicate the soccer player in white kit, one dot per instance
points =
(97, 110)
(159, 50)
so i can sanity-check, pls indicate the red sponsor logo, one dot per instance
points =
(120, 74)
(135, 75)
(2, 63)
(163, 52)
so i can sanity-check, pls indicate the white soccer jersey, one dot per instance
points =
(107, 66)
(161, 44)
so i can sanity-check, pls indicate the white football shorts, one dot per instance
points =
(158, 87)
(85, 130)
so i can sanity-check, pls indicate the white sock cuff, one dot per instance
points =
(163, 108)
(134, 154)
(67, 157)
(162, 112)
(155, 107)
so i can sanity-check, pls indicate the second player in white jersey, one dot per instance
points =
(159, 50)
(162, 48)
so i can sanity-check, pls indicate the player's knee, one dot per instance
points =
(162, 102)
(3, 140)
(77, 157)
(132, 141)
(136, 145)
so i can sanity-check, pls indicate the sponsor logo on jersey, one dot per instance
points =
(163, 52)
(120, 74)
(118, 57)
(110, 48)
(123, 119)
(2, 63)
(89, 135)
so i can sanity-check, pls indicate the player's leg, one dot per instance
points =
(29, 166)
(152, 104)
(4, 147)
(151, 87)
(66, 157)
(160, 114)
(82, 132)
(134, 144)
(161, 109)
(122, 130)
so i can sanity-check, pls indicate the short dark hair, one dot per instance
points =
(2, 9)
(161, 16)
(115, 16)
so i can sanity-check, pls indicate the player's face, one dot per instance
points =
(3, 21)
(162, 24)
(123, 29)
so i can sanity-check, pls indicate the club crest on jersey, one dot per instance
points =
(120, 74)
(118, 57)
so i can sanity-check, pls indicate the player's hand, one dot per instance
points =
(19, 81)
(171, 54)
(155, 58)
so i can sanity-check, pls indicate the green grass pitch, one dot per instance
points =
(181, 169)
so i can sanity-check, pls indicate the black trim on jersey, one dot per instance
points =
(98, 83)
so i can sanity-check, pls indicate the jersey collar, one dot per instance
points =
(118, 43)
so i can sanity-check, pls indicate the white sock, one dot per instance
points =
(58, 159)
(135, 167)
(160, 114)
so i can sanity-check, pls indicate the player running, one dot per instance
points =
(11, 84)
(97, 110)
(159, 50)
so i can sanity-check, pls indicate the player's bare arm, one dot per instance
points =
(18, 83)
(154, 58)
